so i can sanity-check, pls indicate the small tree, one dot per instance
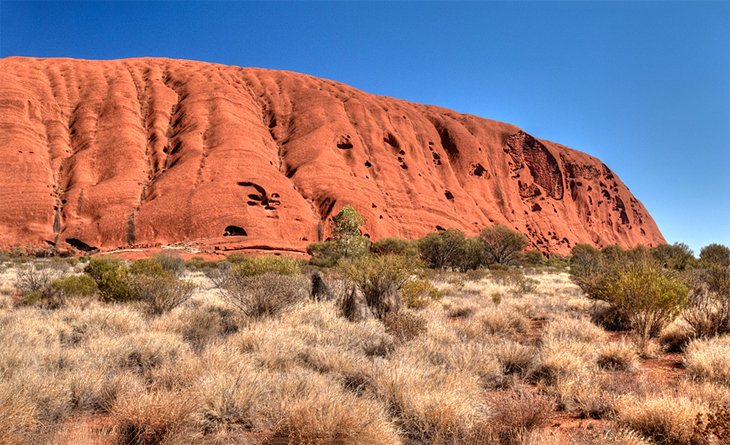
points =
(715, 254)
(443, 249)
(347, 241)
(504, 245)
(394, 246)
(677, 256)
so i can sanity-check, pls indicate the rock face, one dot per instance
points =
(150, 152)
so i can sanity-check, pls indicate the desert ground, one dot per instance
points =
(495, 357)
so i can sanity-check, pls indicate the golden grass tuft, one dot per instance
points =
(709, 359)
(665, 419)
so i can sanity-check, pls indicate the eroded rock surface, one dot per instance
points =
(149, 152)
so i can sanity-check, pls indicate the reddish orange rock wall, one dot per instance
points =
(148, 152)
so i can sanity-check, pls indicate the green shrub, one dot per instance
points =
(347, 241)
(418, 293)
(149, 267)
(394, 246)
(380, 278)
(503, 245)
(585, 260)
(534, 258)
(198, 263)
(444, 249)
(112, 278)
(715, 254)
(649, 297)
(75, 286)
(279, 265)
(677, 256)
(172, 264)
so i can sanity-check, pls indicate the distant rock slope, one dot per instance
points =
(150, 152)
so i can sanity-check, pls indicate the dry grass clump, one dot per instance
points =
(266, 294)
(584, 397)
(18, 414)
(500, 322)
(326, 415)
(709, 359)
(618, 356)
(404, 325)
(675, 337)
(663, 418)
(153, 417)
(201, 323)
(515, 415)
(428, 404)
(515, 358)
(575, 329)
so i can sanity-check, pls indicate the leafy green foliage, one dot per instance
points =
(715, 254)
(418, 293)
(394, 246)
(111, 276)
(443, 249)
(503, 245)
(380, 278)
(75, 286)
(347, 243)
(279, 265)
(677, 256)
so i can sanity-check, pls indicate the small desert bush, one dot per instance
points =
(709, 359)
(153, 417)
(394, 246)
(583, 396)
(404, 325)
(264, 295)
(111, 276)
(662, 418)
(708, 311)
(381, 278)
(675, 337)
(74, 286)
(617, 356)
(199, 263)
(418, 293)
(34, 282)
(502, 322)
(160, 294)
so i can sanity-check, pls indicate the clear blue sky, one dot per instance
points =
(644, 86)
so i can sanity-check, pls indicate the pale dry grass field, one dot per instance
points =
(492, 362)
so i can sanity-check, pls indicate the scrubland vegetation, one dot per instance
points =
(443, 340)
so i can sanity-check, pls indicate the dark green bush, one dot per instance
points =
(394, 246)
(149, 267)
(534, 258)
(347, 241)
(715, 254)
(198, 263)
(443, 249)
(677, 256)
(171, 263)
(503, 245)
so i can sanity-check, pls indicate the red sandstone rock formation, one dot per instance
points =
(148, 152)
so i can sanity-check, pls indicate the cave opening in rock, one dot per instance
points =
(234, 231)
